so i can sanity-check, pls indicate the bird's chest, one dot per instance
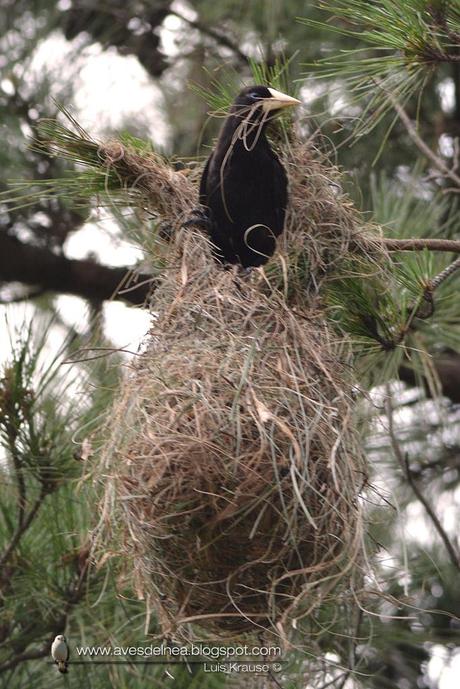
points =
(59, 651)
(245, 184)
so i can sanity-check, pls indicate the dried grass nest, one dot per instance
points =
(233, 469)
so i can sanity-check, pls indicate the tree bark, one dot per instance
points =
(40, 267)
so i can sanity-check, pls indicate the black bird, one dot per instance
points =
(244, 185)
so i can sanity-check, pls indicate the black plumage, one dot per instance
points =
(244, 185)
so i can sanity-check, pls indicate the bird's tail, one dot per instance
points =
(62, 666)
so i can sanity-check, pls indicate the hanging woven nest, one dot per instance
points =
(233, 468)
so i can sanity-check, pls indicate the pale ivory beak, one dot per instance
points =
(278, 100)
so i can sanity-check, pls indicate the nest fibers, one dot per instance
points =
(233, 464)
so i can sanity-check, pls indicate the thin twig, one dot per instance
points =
(217, 36)
(404, 464)
(353, 639)
(22, 499)
(22, 528)
(271, 674)
(334, 680)
(344, 679)
(435, 464)
(45, 648)
(427, 299)
(10, 423)
(421, 145)
(444, 274)
(452, 245)
(74, 594)
(28, 655)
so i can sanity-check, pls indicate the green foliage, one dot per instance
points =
(418, 211)
(33, 424)
(387, 317)
(403, 42)
(91, 178)
(220, 93)
(36, 420)
(47, 581)
(386, 313)
(411, 208)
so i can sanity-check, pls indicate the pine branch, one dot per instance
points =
(425, 307)
(437, 161)
(216, 36)
(404, 464)
(444, 274)
(22, 500)
(33, 654)
(391, 244)
(399, 45)
(73, 596)
(36, 266)
(22, 528)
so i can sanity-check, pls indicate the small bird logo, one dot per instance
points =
(60, 653)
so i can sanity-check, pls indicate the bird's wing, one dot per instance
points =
(280, 193)
(204, 181)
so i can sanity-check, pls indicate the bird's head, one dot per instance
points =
(262, 102)
(60, 637)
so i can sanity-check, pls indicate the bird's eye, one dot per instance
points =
(255, 96)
